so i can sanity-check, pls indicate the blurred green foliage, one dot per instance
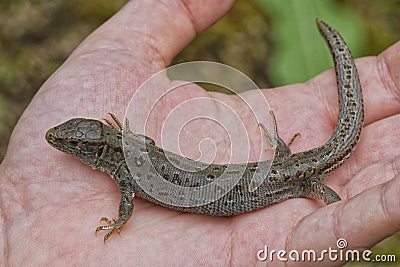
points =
(35, 38)
(299, 52)
(242, 43)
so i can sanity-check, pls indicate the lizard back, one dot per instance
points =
(291, 175)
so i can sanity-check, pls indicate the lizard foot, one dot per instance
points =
(112, 226)
(321, 191)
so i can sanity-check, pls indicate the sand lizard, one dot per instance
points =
(99, 145)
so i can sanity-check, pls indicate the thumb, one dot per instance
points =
(150, 33)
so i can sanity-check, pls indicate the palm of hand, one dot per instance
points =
(51, 203)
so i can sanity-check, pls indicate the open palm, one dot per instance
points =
(50, 203)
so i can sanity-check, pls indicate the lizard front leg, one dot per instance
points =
(124, 213)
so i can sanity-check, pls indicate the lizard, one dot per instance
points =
(100, 145)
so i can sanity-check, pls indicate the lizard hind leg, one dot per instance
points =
(281, 149)
(293, 138)
(318, 190)
(115, 123)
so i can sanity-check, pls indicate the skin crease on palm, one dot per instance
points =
(50, 203)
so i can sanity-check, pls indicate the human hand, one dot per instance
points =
(51, 202)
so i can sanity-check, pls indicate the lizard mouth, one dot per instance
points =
(50, 137)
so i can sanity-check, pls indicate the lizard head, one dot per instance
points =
(81, 138)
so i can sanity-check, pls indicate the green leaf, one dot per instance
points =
(299, 52)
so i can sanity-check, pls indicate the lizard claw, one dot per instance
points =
(112, 226)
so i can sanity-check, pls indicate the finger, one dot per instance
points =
(317, 99)
(384, 97)
(103, 72)
(362, 221)
(380, 81)
(153, 32)
(141, 39)
(372, 162)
